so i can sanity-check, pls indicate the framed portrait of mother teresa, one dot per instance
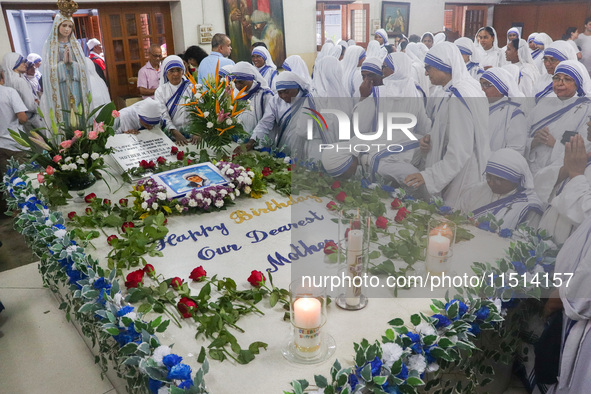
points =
(251, 21)
(395, 17)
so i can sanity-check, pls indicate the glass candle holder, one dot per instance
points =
(354, 232)
(440, 242)
(308, 344)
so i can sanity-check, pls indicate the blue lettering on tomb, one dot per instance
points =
(203, 232)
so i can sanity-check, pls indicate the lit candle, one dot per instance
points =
(354, 266)
(307, 318)
(438, 245)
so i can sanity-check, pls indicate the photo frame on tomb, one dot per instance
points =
(180, 181)
(250, 21)
(395, 17)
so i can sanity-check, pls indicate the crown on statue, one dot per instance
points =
(67, 7)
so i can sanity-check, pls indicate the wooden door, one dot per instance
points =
(128, 34)
(356, 23)
(475, 19)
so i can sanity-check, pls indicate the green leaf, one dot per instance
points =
(366, 373)
(380, 380)
(113, 331)
(415, 319)
(413, 381)
(163, 326)
(321, 381)
(452, 311)
(445, 343)
(396, 322)
(273, 298)
(245, 357)
(202, 355)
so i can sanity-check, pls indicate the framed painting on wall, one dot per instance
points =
(395, 17)
(251, 21)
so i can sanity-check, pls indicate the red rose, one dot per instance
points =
(256, 278)
(396, 203)
(186, 307)
(88, 211)
(144, 164)
(180, 155)
(90, 198)
(134, 278)
(165, 221)
(123, 202)
(149, 270)
(331, 205)
(330, 247)
(151, 164)
(189, 161)
(401, 215)
(291, 167)
(347, 233)
(335, 185)
(381, 222)
(267, 171)
(71, 215)
(107, 202)
(356, 225)
(176, 283)
(127, 225)
(341, 197)
(174, 150)
(198, 274)
(110, 239)
(160, 160)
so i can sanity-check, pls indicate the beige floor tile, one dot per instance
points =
(25, 277)
(41, 351)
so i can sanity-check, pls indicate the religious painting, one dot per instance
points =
(252, 21)
(395, 18)
(198, 176)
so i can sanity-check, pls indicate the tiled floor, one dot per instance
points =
(41, 351)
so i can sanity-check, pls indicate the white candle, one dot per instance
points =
(307, 313)
(354, 265)
(307, 318)
(438, 245)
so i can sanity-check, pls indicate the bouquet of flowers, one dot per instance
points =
(214, 113)
(70, 156)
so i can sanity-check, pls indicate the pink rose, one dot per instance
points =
(50, 170)
(115, 113)
(56, 158)
(78, 134)
(93, 135)
(40, 178)
(66, 144)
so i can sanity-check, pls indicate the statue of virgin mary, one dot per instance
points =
(65, 79)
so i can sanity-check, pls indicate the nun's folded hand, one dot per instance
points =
(542, 137)
(414, 180)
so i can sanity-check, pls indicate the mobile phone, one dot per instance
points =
(567, 136)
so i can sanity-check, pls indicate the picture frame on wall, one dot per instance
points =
(248, 22)
(395, 17)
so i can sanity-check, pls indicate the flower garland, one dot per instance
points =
(152, 198)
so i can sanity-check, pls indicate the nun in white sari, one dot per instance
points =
(328, 79)
(466, 47)
(521, 57)
(381, 37)
(508, 192)
(351, 64)
(375, 50)
(296, 64)
(14, 77)
(570, 191)
(541, 41)
(489, 53)
(143, 115)
(507, 125)
(283, 121)
(556, 52)
(574, 258)
(268, 70)
(171, 96)
(457, 148)
(551, 120)
(416, 52)
(258, 93)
